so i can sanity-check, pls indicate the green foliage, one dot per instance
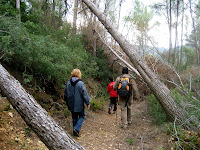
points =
(102, 92)
(188, 103)
(197, 79)
(8, 107)
(183, 139)
(66, 113)
(160, 148)
(45, 52)
(141, 17)
(64, 35)
(32, 27)
(97, 104)
(103, 70)
(156, 111)
(8, 8)
(28, 131)
(130, 141)
(47, 58)
(27, 78)
(189, 57)
(34, 15)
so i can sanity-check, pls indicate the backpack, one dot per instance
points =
(123, 89)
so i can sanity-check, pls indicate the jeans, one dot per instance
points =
(78, 119)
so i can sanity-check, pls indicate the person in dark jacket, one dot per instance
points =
(76, 97)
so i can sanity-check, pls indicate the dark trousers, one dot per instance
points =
(113, 101)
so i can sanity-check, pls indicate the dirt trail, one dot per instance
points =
(100, 131)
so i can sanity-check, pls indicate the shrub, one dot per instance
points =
(183, 139)
(188, 103)
(41, 55)
(97, 104)
(66, 113)
(156, 111)
(27, 78)
(48, 54)
(7, 8)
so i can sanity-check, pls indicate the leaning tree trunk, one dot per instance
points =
(47, 129)
(161, 92)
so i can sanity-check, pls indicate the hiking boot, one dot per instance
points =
(109, 110)
(123, 127)
(76, 132)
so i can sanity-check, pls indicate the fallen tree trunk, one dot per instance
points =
(161, 92)
(46, 128)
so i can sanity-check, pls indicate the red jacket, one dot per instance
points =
(110, 89)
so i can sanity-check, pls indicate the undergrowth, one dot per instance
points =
(156, 111)
(181, 138)
(97, 104)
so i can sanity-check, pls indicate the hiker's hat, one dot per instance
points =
(124, 70)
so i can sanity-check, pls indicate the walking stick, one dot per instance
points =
(116, 109)
(116, 116)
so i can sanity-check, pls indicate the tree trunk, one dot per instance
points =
(170, 32)
(75, 15)
(181, 51)
(195, 35)
(49, 132)
(53, 14)
(107, 7)
(119, 13)
(159, 89)
(18, 8)
(176, 55)
(18, 4)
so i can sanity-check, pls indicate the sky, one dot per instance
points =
(160, 33)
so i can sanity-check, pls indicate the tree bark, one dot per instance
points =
(170, 32)
(18, 8)
(176, 53)
(18, 5)
(48, 130)
(181, 51)
(195, 35)
(161, 92)
(75, 15)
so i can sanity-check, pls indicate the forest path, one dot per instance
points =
(101, 131)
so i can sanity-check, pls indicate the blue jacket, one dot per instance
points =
(76, 95)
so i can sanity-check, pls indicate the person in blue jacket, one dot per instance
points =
(76, 97)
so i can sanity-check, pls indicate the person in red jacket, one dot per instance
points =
(113, 96)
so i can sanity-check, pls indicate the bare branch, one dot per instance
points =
(176, 134)
(4, 31)
(2, 56)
